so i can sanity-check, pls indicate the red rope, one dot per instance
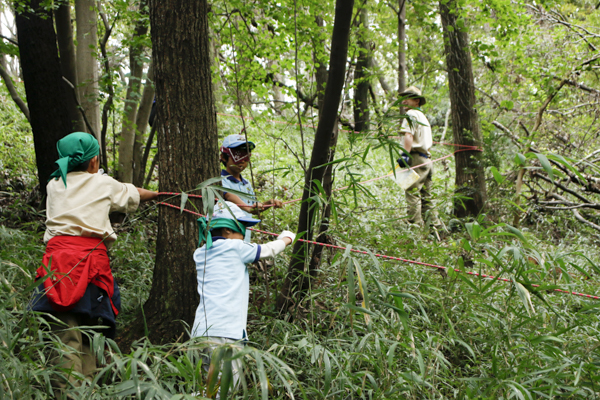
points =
(196, 196)
(396, 258)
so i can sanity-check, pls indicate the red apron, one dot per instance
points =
(76, 262)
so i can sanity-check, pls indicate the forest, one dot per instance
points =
(494, 296)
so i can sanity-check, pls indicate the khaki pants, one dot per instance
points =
(418, 196)
(77, 356)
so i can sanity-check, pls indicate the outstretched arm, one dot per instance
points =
(275, 247)
(146, 195)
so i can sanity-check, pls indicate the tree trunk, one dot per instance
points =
(44, 87)
(401, 45)
(11, 88)
(470, 178)
(66, 48)
(141, 124)
(132, 97)
(87, 64)
(320, 60)
(361, 76)
(188, 150)
(295, 283)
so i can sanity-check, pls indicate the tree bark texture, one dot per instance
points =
(132, 97)
(470, 179)
(361, 76)
(188, 155)
(296, 282)
(68, 65)
(87, 63)
(44, 87)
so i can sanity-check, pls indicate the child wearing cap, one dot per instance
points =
(223, 279)
(235, 156)
(82, 290)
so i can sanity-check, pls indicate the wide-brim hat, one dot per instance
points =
(412, 92)
(233, 212)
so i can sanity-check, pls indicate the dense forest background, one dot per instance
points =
(339, 324)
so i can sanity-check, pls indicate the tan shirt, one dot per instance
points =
(418, 125)
(82, 208)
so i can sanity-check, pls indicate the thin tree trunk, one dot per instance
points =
(87, 64)
(46, 94)
(11, 88)
(317, 251)
(141, 124)
(130, 104)
(470, 178)
(401, 45)
(320, 60)
(66, 48)
(521, 174)
(295, 283)
(144, 160)
(107, 86)
(361, 79)
(187, 149)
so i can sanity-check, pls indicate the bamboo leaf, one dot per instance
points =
(546, 165)
(184, 199)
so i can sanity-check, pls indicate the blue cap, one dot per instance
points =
(234, 213)
(236, 140)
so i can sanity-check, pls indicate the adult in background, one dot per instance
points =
(416, 132)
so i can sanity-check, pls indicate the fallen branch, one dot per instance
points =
(562, 187)
(548, 205)
(578, 216)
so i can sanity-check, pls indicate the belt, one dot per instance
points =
(424, 155)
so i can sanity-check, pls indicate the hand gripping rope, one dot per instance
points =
(440, 267)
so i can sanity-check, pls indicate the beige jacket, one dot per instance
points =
(82, 208)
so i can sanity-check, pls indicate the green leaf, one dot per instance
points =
(499, 178)
(546, 165)
(525, 297)
(403, 295)
(546, 338)
(516, 232)
(359, 309)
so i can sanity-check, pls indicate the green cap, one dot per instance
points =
(73, 150)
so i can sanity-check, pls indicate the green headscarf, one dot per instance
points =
(205, 230)
(73, 150)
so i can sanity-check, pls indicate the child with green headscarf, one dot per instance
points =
(81, 290)
(223, 279)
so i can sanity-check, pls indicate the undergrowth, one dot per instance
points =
(369, 328)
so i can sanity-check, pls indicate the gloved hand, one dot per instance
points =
(287, 234)
(404, 161)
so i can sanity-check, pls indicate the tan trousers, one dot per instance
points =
(418, 196)
(76, 356)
